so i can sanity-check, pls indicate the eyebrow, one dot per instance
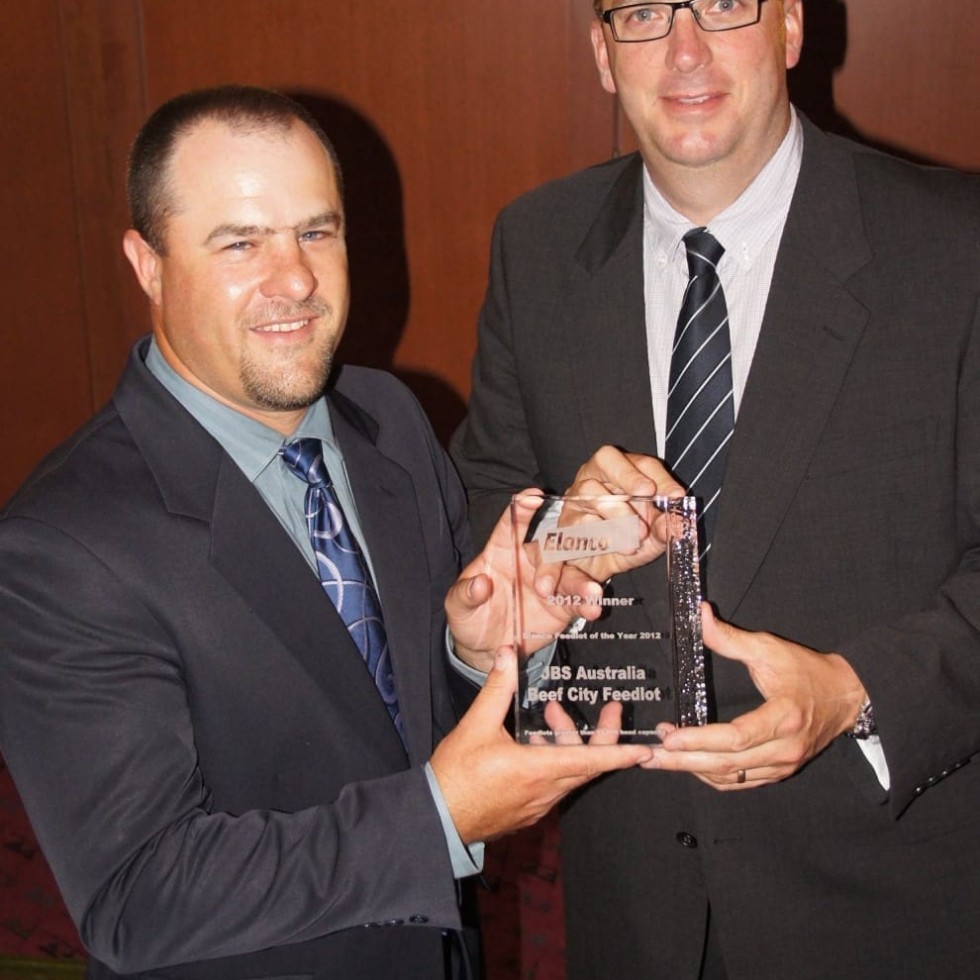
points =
(230, 230)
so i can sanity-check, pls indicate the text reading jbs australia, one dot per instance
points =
(588, 691)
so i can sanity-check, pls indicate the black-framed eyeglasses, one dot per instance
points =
(637, 22)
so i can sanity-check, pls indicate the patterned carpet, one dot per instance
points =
(33, 920)
(521, 908)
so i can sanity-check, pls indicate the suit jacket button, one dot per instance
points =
(418, 920)
(686, 839)
(395, 922)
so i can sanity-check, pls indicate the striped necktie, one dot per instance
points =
(700, 404)
(343, 572)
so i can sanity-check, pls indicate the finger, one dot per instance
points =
(609, 726)
(735, 782)
(513, 521)
(763, 736)
(585, 762)
(727, 640)
(468, 594)
(561, 724)
(633, 474)
(574, 590)
(718, 737)
(491, 707)
(717, 768)
(516, 520)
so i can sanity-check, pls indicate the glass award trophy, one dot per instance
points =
(638, 659)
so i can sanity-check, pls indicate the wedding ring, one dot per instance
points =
(740, 776)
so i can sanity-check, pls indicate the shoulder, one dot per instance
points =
(371, 395)
(895, 191)
(85, 467)
(366, 383)
(384, 410)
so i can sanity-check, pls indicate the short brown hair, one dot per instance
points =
(241, 106)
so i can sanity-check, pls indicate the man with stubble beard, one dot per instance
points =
(193, 585)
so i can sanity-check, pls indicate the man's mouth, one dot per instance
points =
(289, 327)
(691, 99)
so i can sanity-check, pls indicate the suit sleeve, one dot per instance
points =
(922, 671)
(97, 729)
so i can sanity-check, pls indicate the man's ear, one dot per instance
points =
(601, 52)
(794, 31)
(145, 263)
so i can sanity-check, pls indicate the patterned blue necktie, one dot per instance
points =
(343, 572)
(700, 406)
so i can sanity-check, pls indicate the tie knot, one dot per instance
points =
(305, 458)
(704, 252)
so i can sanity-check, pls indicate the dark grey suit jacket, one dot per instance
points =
(206, 762)
(849, 521)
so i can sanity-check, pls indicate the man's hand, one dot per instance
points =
(610, 471)
(479, 606)
(811, 698)
(492, 785)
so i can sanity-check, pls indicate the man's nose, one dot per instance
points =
(290, 273)
(687, 43)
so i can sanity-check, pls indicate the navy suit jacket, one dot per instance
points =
(206, 762)
(849, 520)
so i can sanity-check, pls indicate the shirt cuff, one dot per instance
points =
(875, 754)
(534, 665)
(461, 667)
(466, 860)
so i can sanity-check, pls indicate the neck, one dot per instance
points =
(701, 192)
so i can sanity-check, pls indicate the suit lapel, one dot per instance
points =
(605, 305)
(250, 549)
(605, 297)
(392, 531)
(810, 331)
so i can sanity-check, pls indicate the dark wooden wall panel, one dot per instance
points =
(911, 77)
(45, 374)
(441, 114)
(105, 105)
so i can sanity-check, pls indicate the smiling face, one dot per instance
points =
(708, 109)
(250, 295)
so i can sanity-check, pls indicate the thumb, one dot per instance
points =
(723, 638)
(468, 593)
(492, 705)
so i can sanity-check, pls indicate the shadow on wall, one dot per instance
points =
(811, 83)
(380, 290)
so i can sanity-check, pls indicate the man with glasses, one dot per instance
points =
(837, 461)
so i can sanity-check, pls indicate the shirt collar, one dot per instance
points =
(745, 226)
(252, 445)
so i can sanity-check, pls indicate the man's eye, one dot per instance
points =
(646, 16)
(238, 246)
(313, 236)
